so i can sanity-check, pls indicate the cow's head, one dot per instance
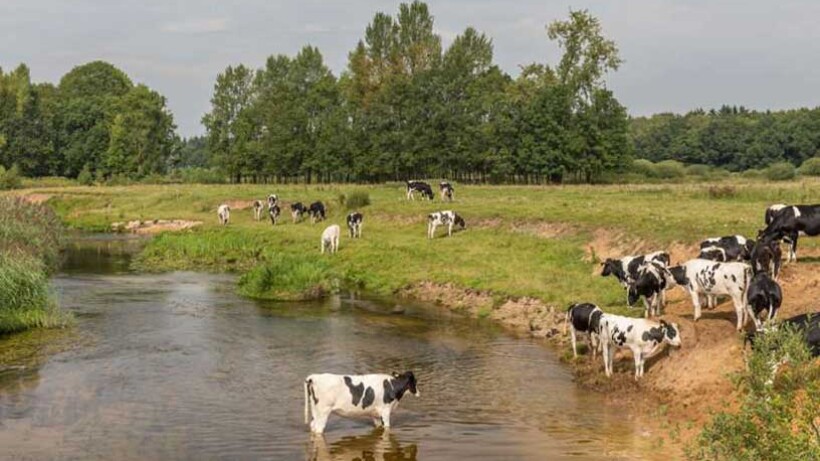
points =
(632, 294)
(610, 267)
(671, 333)
(459, 221)
(407, 381)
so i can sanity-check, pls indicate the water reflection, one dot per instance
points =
(379, 445)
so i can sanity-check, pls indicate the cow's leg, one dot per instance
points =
(647, 305)
(378, 422)
(696, 303)
(450, 229)
(609, 355)
(595, 343)
(794, 246)
(572, 340)
(385, 415)
(636, 354)
(317, 426)
(740, 311)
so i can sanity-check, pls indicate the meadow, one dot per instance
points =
(529, 241)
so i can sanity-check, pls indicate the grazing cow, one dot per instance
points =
(650, 282)
(273, 199)
(273, 212)
(643, 337)
(330, 238)
(443, 218)
(354, 224)
(764, 294)
(448, 193)
(421, 187)
(257, 210)
(808, 324)
(736, 247)
(316, 212)
(375, 395)
(585, 318)
(627, 267)
(297, 210)
(767, 256)
(224, 214)
(710, 278)
(713, 253)
(790, 222)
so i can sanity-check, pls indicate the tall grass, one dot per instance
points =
(290, 277)
(30, 239)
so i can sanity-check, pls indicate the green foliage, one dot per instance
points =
(10, 179)
(752, 174)
(196, 175)
(289, 277)
(776, 420)
(669, 169)
(644, 168)
(86, 177)
(780, 171)
(357, 199)
(698, 170)
(30, 237)
(811, 167)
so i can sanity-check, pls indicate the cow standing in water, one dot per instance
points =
(374, 395)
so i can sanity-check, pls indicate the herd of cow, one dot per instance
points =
(744, 270)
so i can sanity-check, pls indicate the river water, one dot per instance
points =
(176, 366)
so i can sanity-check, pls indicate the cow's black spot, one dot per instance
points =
(355, 391)
(394, 389)
(369, 397)
(388, 392)
(734, 279)
(671, 332)
(629, 328)
(654, 334)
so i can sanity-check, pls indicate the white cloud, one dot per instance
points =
(197, 26)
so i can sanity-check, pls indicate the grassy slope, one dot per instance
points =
(509, 247)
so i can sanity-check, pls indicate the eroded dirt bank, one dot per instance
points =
(682, 386)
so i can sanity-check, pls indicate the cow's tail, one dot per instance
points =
(308, 391)
(567, 319)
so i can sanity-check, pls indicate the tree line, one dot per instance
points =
(731, 137)
(406, 107)
(95, 122)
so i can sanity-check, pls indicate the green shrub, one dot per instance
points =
(698, 170)
(780, 171)
(357, 199)
(30, 229)
(644, 168)
(752, 174)
(780, 396)
(289, 278)
(811, 167)
(85, 178)
(10, 179)
(197, 175)
(669, 169)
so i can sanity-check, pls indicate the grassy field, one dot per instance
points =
(519, 241)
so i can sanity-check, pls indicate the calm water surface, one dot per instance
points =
(176, 366)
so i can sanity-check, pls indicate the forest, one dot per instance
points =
(404, 107)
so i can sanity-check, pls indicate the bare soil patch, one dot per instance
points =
(154, 227)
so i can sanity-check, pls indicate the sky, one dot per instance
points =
(679, 55)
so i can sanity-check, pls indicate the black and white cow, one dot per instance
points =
(316, 212)
(736, 247)
(650, 282)
(273, 199)
(448, 193)
(767, 257)
(223, 213)
(584, 318)
(627, 267)
(807, 324)
(257, 210)
(273, 213)
(772, 210)
(297, 210)
(790, 222)
(421, 187)
(443, 218)
(374, 395)
(354, 224)
(710, 278)
(763, 295)
(643, 337)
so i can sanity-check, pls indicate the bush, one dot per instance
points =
(698, 170)
(85, 178)
(289, 278)
(10, 179)
(670, 169)
(780, 171)
(752, 174)
(357, 199)
(644, 168)
(811, 167)
(780, 396)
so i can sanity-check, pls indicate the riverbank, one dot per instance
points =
(527, 252)
(30, 240)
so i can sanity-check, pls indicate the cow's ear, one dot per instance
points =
(663, 323)
(395, 374)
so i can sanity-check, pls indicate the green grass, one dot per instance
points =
(519, 241)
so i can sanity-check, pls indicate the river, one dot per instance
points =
(177, 366)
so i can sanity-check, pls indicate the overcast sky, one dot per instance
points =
(679, 54)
